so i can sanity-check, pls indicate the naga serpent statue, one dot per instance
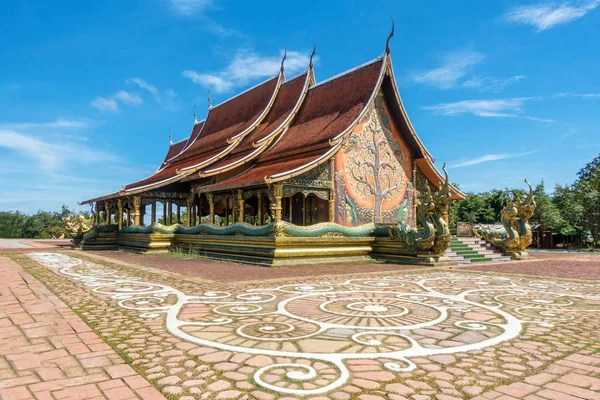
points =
(423, 238)
(442, 199)
(433, 234)
(515, 235)
(77, 227)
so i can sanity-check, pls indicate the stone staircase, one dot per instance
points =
(469, 250)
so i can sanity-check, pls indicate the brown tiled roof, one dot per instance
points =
(209, 139)
(328, 110)
(174, 149)
(287, 98)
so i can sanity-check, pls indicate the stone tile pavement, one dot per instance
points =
(413, 335)
(48, 352)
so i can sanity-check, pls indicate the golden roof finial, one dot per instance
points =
(310, 65)
(387, 43)
(194, 112)
(209, 100)
(170, 138)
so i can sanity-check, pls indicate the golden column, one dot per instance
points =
(153, 213)
(106, 213)
(332, 190)
(188, 207)
(97, 210)
(278, 194)
(241, 204)
(211, 205)
(259, 213)
(170, 212)
(137, 212)
(120, 213)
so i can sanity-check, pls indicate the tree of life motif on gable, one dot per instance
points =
(376, 165)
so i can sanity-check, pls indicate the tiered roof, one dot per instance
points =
(279, 129)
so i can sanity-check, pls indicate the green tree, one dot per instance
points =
(587, 186)
(547, 214)
(11, 224)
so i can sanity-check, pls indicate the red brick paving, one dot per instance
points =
(233, 272)
(549, 265)
(48, 352)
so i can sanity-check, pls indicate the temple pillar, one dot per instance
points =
(128, 217)
(106, 213)
(178, 214)
(97, 210)
(259, 214)
(241, 205)
(153, 213)
(170, 212)
(304, 210)
(332, 190)
(190, 211)
(120, 213)
(277, 194)
(211, 204)
(137, 212)
(165, 212)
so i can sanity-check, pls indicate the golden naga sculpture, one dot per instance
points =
(433, 235)
(78, 226)
(515, 235)
(442, 200)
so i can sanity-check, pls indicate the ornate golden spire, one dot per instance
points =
(387, 43)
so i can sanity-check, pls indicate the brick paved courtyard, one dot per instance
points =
(401, 333)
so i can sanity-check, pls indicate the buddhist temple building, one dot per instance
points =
(291, 150)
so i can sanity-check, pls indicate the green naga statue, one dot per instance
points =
(515, 235)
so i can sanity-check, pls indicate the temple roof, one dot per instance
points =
(217, 135)
(279, 129)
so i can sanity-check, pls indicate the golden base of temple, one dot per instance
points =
(270, 250)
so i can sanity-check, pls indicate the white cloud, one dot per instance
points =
(580, 95)
(489, 84)
(105, 104)
(456, 66)
(482, 108)
(248, 66)
(60, 123)
(488, 158)
(498, 108)
(145, 85)
(547, 15)
(51, 156)
(190, 7)
(112, 103)
(128, 98)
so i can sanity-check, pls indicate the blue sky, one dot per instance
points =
(89, 90)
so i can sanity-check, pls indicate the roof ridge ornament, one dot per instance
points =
(170, 138)
(387, 43)
(310, 64)
(209, 100)
(194, 112)
(284, 57)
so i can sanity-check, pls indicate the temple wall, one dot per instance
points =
(374, 172)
